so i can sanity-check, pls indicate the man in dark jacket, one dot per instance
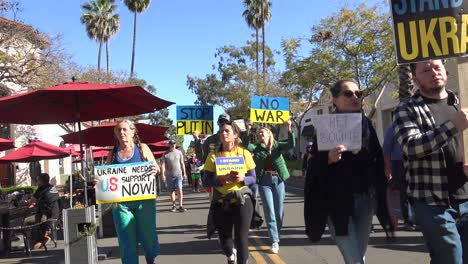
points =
(203, 149)
(45, 199)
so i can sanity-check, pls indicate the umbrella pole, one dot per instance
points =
(70, 181)
(82, 165)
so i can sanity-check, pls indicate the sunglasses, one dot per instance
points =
(349, 93)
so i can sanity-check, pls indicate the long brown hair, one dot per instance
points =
(235, 130)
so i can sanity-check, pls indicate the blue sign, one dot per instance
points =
(194, 112)
(270, 103)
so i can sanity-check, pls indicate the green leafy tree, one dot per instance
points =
(161, 118)
(354, 43)
(137, 7)
(101, 23)
(234, 81)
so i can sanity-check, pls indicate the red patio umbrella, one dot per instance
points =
(103, 135)
(75, 149)
(159, 146)
(78, 102)
(6, 144)
(158, 154)
(97, 154)
(35, 151)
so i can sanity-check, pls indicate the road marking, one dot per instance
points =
(274, 257)
(256, 255)
(292, 187)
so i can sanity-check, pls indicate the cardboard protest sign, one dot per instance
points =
(224, 165)
(125, 182)
(240, 123)
(431, 29)
(192, 118)
(273, 110)
(338, 129)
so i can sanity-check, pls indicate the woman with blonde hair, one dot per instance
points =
(135, 221)
(272, 172)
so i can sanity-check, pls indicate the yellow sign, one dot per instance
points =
(187, 127)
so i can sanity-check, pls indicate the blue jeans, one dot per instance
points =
(272, 193)
(354, 245)
(445, 230)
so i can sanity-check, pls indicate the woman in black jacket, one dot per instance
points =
(343, 186)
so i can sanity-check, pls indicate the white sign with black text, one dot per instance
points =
(338, 129)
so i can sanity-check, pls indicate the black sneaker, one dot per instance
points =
(182, 209)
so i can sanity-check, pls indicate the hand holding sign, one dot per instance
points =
(334, 155)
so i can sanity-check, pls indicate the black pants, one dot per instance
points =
(238, 217)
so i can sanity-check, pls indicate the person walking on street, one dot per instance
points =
(272, 173)
(212, 142)
(173, 173)
(135, 221)
(395, 171)
(428, 127)
(232, 204)
(342, 186)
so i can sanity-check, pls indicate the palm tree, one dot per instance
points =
(265, 16)
(252, 15)
(113, 25)
(405, 79)
(135, 6)
(101, 23)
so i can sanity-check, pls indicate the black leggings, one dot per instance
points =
(238, 217)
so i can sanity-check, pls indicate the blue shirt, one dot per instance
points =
(390, 146)
(136, 156)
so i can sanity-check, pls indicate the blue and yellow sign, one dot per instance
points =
(191, 118)
(273, 110)
(225, 165)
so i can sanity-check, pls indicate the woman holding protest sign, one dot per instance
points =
(232, 198)
(272, 172)
(134, 221)
(342, 185)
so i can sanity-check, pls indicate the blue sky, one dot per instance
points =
(175, 38)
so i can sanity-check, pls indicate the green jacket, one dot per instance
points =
(260, 153)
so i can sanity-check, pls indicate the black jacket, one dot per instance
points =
(329, 189)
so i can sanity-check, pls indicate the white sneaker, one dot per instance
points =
(234, 253)
(275, 248)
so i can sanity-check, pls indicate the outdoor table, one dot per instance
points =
(13, 217)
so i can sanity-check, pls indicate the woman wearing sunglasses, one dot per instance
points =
(343, 186)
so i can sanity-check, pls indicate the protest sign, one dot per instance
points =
(191, 118)
(338, 129)
(272, 110)
(125, 182)
(225, 165)
(240, 123)
(429, 29)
